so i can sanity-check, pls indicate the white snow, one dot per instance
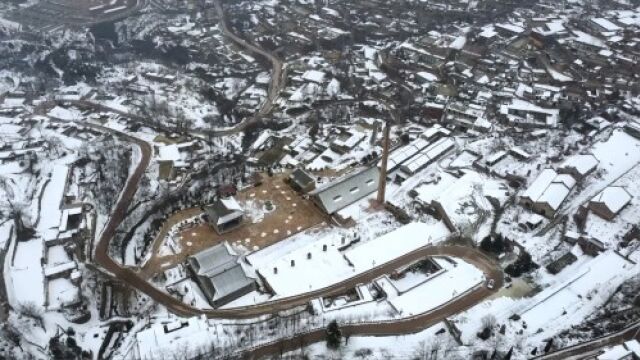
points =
(27, 269)
(457, 278)
(405, 239)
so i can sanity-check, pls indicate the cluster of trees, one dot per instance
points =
(522, 265)
(369, 158)
(493, 244)
(498, 244)
(156, 205)
(82, 66)
(64, 346)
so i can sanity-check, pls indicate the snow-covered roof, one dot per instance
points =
(510, 27)
(488, 32)
(520, 105)
(231, 204)
(583, 164)
(606, 24)
(520, 152)
(634, 346)
(339, 194)
(169, 152)
(213, 259)
(495, 157)
(229, 281)
(566, 180)
(550, 188)
(432, 131)
(458, 43)
(588, 39)
(551, 28)
(428, 155)
(224, 210)
(314, 76)
(59, 268)
(64, 114)
(427, 76)
(400, 155)
(613, 197)
(618, 352)
(537, 187)
(404, 239)
(554, 195)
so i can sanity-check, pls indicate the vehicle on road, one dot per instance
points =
(490, 284)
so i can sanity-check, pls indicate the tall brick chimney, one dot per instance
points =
(382, 183)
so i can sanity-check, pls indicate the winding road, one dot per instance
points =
(278, 74)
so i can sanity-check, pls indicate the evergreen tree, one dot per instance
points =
(485, 244)
(334, 335)
(498, 244)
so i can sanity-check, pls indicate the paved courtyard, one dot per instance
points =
(291, 214)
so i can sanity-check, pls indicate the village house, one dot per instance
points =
(523, 113)
(609, 202)
(547, 192)
(427, 156)
(579, 166)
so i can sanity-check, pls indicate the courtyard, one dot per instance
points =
(290, 213)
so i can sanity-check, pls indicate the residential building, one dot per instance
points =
(609, 202)
(547, 192)
(579, 166)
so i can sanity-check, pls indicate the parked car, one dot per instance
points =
(490, 284)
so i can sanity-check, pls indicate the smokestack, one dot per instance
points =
(382, 183)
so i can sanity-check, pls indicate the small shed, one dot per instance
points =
(302, 181)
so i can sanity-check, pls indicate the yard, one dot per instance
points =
(291, 213)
